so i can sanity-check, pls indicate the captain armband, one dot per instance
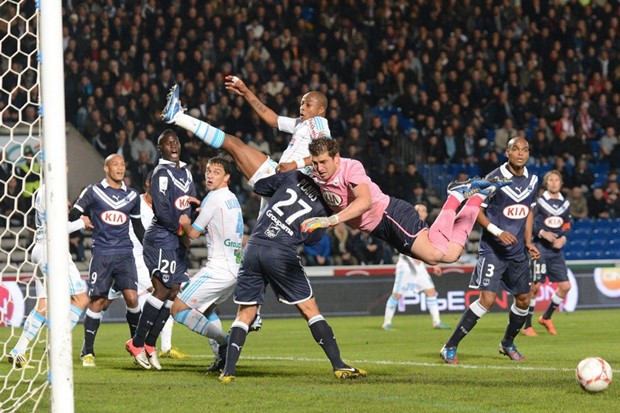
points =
(494, 229)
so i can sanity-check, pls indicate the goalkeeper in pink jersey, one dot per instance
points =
(359, 202)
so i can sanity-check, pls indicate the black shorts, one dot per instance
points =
(492, 272)
(168, 266)
(281, 268)
(399, 226)
(551, 266)
(108, 270)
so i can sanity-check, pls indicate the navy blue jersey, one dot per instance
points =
(110, 210)
(294, 197)
(170, 188)
(509, 209)
(551, 214)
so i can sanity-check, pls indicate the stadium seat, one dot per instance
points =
(582, 224)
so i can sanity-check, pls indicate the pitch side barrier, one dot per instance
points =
(363, 290)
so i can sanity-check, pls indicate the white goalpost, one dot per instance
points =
(33, 149)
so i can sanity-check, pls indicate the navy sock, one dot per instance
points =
(147, 320)
(515, 322)
(236, 340)
(465, 325)
(91, 326)
(324, 336)
(159, 324)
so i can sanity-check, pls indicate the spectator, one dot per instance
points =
(597, 204)
(583, 176)
(390, 181)
(607, 144)
(578, 203)
(368, 250)
(342, 243)
(142, 144)
(503, 135)
(319, 253)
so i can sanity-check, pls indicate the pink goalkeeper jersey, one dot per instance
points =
(339, 189)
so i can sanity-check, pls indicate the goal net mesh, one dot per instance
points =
(22, 385)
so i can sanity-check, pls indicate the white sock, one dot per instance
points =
(76, 313)
(32, 325)
(433, 309)
(166, 335)
(193, 319)
(210, 135)
(390, 310)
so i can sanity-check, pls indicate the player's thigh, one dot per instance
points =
(251, 283)
(101, 275)
(208, 286)
(144, 276)
(403, 279)
(287, 277)
(555, 269)
(169, 266)
(266, 169)
(516, 279)
(76, 284)
(488, 273)
(400, 227)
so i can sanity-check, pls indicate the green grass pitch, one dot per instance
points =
(282, 369)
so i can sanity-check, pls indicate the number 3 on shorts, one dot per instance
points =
(490, 270)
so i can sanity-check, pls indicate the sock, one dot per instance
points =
(215, 330)
(556, 300)
(440, 232)
(515, 322)
(133, 318)
(32, 326)
(324, 336)
(166, 335)
(193, 319)
(468, 321)
(465, 221)
(433, 309)
(236, 340)
(158, 325)
(210, 135)
(91, 325)
(150, 311)
(390, 310)
(530, 313)
(76, 313)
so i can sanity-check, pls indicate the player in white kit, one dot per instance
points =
(77, 287)
(221, 220)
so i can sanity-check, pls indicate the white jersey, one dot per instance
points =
(411, 275)
(221, 220)
(303, 133)
(146, 216)
(41, 212)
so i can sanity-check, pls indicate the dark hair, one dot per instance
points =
(222, 160)
(164, 134)
(322, 145)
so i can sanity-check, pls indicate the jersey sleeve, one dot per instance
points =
(286, 124)
(207, 211)
(135, 211)
(162, 207)
(356, 174)
(85, 200)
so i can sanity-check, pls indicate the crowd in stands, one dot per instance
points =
(410, 84)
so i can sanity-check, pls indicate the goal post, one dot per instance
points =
(54, 160)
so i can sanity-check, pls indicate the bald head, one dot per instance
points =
(112, 158)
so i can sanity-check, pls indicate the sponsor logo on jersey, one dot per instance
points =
(115, 218)
(554, 222)
(332, 198)
(272, 231)
(163, 184)
(276, 221)
(516, 211)
(230, 243)
(182, 203)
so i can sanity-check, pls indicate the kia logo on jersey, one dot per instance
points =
(516, 211)
(554, 222)
(332, 199)
(115, 218)
(182, 203)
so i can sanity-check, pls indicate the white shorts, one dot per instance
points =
(76, 284)
(144, 280)
(211, 285)
(411, 275)
(268, 168)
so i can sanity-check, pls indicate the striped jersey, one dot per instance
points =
(303, 133)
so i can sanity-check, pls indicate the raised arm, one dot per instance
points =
(238, 86)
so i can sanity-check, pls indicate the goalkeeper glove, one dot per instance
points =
(311, 224)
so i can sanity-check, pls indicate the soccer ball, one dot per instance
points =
(593, 374)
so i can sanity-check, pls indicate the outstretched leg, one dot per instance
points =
(248, 159)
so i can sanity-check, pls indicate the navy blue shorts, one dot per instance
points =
(168, 266)
(492, 272)
(399, 226)
(108, 270)
(280, 268)
(551, 266)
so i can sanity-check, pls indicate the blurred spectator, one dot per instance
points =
(259, 143)
(141, 144)
(367, 249)
(597, 204)
(583, 176)
(578, 203)
(139, 171)
(612, 196)
(319, 253)
(607, 143)
(503, 135)
(565, 124)
(390, 181)
(489, 163)
(342, 243)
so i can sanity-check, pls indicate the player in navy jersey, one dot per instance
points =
(551, 225)
(165, 247)
(271, 257)
(108, 204)
(507, 220)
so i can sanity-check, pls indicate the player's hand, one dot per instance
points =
(507, 238)
(559, 243)
(534, 253)
(87, 222)
(184, 220)
(312, 224)
(548, 235)
(285, 167)
(235, 85)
